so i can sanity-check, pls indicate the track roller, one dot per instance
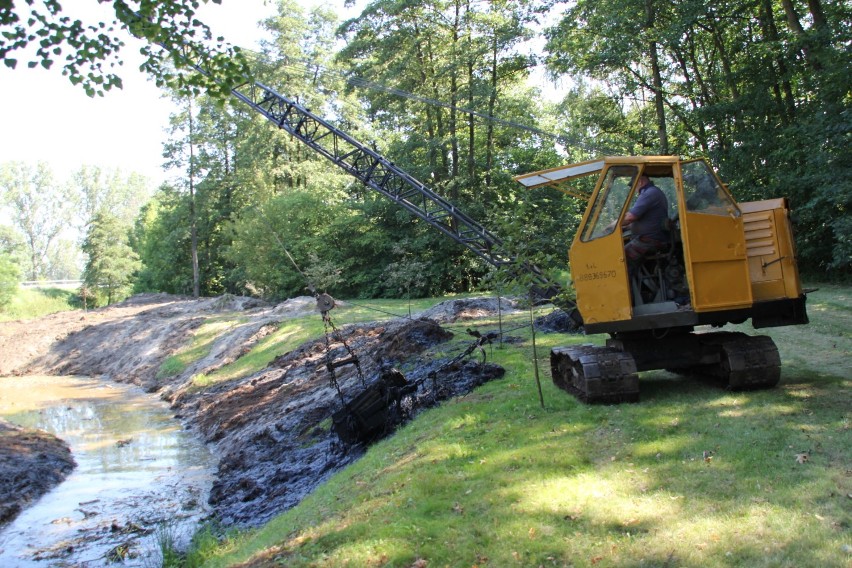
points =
(595, 374)
(746, 362)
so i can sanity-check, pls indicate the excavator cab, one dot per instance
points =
(721, 263)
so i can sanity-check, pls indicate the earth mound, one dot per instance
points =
(31, 463)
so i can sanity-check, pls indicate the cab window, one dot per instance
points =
(609, 202)
(704, 193)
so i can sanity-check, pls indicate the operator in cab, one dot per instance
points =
(647, 223)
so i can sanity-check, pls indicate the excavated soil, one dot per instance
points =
(271, 431)
(31, 463)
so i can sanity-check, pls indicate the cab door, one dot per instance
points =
(597, 258)
(713, 241)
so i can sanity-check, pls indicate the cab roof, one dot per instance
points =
(562, 174)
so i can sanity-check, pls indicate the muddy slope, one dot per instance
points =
(31, 463)
(129, 341)
(271, 431)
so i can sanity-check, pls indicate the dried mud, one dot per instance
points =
(270, 431)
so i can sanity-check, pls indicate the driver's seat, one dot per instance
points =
(648, 283)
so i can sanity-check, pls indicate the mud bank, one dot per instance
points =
(31, 463)
(270, 431)
(273, 432)
(138, 473)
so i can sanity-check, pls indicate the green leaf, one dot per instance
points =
(10, 63)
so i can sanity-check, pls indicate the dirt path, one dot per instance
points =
(271, 430)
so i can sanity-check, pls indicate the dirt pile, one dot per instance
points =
(23, 342)
(468, 308)
(129, 341)
(557, 321)
(31, 463)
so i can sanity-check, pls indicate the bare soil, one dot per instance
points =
(31, 463)
(271, 431)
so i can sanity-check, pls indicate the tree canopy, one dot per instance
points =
(174, 40)
(746, 84)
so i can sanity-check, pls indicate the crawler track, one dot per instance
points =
(745, 362)
(595, 374)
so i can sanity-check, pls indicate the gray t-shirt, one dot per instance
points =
(651, 210)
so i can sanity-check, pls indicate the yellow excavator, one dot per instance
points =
(723, 262)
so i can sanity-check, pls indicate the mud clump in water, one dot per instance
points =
(31, 463)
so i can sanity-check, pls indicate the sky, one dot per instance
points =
(45, 118)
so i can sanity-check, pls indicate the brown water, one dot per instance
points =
(140, 479)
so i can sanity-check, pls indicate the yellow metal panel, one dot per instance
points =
(771, 251)
(600, 279)
(715, 254)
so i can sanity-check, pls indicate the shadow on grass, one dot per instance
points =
(692, 476)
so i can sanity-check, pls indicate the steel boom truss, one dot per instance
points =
(382, 176)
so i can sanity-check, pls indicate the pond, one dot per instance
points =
(140, 478)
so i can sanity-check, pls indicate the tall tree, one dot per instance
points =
(40, 209)
(240, 161)
(109, 190)
(430, 59)
(181, 154)
(161, 239)
(10, 271)
(749, 84)
(111, 262)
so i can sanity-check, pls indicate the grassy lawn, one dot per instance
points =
(31, 303)
(691, 476)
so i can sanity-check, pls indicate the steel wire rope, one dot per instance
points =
(378, 310)
(326, 318)
(412, 318)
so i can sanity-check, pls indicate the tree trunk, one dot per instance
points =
(692, 85)
(454, 89)
(492, 103)
(193, 224)
(439, 116)
(807, 40)
(815, 8)
(471, 127)
(781, 85)
(430, 126)
(657, 81)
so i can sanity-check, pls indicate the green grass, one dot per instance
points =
(30, 303)
(199, 347)
(692, 476)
